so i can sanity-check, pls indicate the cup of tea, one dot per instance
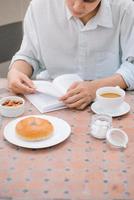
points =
(110, 98)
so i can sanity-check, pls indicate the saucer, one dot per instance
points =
(123, 109)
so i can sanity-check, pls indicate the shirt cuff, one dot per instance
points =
(126, 70)
(30, 61)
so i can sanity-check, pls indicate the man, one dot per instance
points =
(94, 38)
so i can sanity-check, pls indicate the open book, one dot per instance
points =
(46, 97)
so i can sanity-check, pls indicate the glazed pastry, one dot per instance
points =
(34, 128)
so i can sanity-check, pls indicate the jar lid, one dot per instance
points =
(117, 138)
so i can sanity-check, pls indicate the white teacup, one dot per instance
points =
(110, 98)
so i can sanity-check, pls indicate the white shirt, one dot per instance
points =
(56, 41)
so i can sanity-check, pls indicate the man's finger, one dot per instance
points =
(74, 85)
(28, 82)
(24, 88)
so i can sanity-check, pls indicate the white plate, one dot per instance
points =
(62, 130)
(123, 109)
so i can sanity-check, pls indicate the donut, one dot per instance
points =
(34, 128)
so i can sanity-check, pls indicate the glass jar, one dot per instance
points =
(100, 124)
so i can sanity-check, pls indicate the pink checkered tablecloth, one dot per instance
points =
(80, 168)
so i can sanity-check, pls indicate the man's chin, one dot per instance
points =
(78, 15)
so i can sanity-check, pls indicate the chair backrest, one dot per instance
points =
(10, 39)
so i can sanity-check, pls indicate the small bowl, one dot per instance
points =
(12, 106)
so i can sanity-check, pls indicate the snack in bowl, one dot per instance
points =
(12, 106)
(34, 128)
(12, 103)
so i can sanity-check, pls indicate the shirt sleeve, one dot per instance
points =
(29, 50)
(127, 46)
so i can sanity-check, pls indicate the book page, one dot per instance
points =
(46, 97)
(47, 87)
(45, 103)
(64, 81)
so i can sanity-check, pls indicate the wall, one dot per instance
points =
(11, 15)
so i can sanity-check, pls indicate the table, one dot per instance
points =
(80, 168)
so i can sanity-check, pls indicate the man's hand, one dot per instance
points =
(79, 95)
(20, 83)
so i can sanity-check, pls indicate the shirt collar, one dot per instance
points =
(69, 14)
(102, 18)
(104, 15)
